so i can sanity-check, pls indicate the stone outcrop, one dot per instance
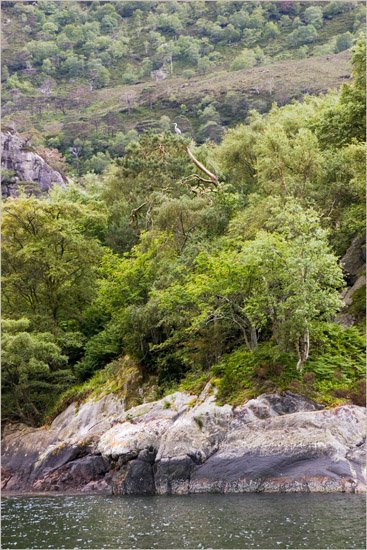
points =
(181, 444)
(89, 421)
(289, 453)
(23, 169)
(354, 260)
(353, 264)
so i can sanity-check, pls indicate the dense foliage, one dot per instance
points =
(190, 281)
(33, 371)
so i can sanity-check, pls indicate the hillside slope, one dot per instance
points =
(87, 78)
(260, 87)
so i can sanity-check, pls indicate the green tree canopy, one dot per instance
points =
(50, 254)
(152, 170)
(347, 120)
(283, 281)
(34, 372)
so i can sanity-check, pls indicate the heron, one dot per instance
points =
(177, 130)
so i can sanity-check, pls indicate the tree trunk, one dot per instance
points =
(253, 338)
(304, 352)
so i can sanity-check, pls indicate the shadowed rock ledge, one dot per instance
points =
(279, 442)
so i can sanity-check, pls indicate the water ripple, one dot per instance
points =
(195, 521)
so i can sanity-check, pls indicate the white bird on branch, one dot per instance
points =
(177, 130)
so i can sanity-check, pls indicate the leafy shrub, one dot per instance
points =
(34, 371)
(344, 42)
(334, 370)
(99, 350)
(302, 35)
(335, 346)
(245, 60)
(247, 374)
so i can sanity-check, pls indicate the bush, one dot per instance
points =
(245, 60)
(334, 8)
(313, 16)
(302, 35)
(98, 163)
(335, 346)
(344, 42)
(189, 73)
(34, 372)
(324, 49)
(271, 30)
(99, 350)
(246, 374)
(334, 370)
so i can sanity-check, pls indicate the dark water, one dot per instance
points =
(194, 521)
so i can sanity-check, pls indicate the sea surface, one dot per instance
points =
(193, 521)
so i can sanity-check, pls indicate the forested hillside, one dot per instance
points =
(87, 77)
(144, 267)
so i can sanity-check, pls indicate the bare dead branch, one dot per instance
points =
(136, 210)
(213, 177)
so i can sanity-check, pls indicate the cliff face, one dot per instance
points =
(187, 444)
(24, 169)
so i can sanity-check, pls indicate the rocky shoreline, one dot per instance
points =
(183, 444)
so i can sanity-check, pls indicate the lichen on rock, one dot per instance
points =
(280, 442)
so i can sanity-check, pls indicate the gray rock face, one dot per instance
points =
(21, 449)
(90, 421)
(281, 442)
(360, 282)
(346, 320)
(286, 453)
(354, 260)
(354, 267)
(136, 476)
(20, 164)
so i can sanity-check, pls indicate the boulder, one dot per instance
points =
(346, 320)
(359, 283)
(21, 449)
(136, 477)
(42, 459)
(75, 475)
(142, 427)
(193, 438)
(268, 405)
(20, 163)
